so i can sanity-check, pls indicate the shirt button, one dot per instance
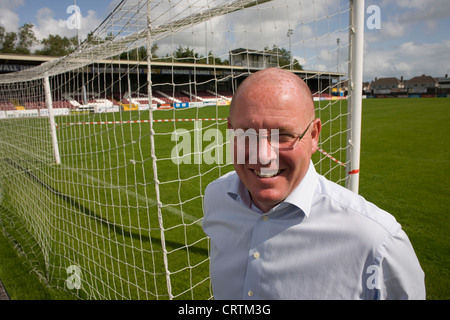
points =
(265, 218)
(250, 293)
(256, 255)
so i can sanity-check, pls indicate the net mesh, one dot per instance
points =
(102, 188)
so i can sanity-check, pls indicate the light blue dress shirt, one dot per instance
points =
(322, 242)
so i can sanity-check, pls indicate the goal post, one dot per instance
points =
(356, 51)
(105, 153)
(51, 117)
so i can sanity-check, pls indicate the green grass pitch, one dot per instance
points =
(405, 166)
(106, 217)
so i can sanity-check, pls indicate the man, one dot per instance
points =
(278, 229)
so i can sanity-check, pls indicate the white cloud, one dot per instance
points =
(47, 24)
(408, 59)
(408, 13)
(393, 28)
(11, 4)
(256, 27)
(410, 41)
(8, 18)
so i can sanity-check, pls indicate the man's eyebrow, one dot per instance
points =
(281, 129)
(284, 129)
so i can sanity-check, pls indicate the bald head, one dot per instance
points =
(269, 85)
(273, 99)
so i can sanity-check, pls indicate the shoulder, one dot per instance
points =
(222, 184)
(221, 188)
(356, 207)
(219, 202)
(381, 240)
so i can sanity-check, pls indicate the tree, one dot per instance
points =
(284, 58)
(26, 39)
(7, 41)
(212, 59)
(139, 54)
(186, 55)
(154, 48)
(21, 42)
(55, 45)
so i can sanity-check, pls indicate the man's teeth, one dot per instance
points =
(266, 173)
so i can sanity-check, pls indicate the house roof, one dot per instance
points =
(421, 79)
(385, 81)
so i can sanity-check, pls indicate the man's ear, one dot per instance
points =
(315, 134)
(229, 123)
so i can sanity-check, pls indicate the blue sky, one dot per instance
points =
(413, 38)
(49, 16)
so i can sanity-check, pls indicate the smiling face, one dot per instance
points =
(274, 99)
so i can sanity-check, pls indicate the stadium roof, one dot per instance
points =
(31, 64)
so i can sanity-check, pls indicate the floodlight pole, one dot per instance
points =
(356, 55)
(289, 34)
(338, 42)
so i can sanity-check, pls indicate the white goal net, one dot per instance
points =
(105, 153)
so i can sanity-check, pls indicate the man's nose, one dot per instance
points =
(266, 153)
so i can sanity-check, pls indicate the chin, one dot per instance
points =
(267, 197)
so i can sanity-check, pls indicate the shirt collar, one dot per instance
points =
(239, 192)
(301, 196)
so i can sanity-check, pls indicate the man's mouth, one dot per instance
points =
(266, 173)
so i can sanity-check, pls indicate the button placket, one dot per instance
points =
(255, 254)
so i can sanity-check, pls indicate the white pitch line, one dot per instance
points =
(151, 201)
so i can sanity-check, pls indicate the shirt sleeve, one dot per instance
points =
(401, 276)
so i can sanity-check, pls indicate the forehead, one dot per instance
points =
(262, 117)
(269, 105)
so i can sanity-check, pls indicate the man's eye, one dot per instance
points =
(283, 137)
